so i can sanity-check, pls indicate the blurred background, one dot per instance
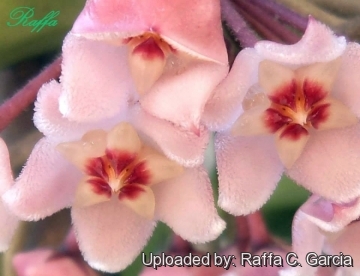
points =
(24, 51)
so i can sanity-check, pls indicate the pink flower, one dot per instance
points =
(289, 108)
(8, 221)
(47, 262)
(324, 226)
(169, 56)
(117, 180)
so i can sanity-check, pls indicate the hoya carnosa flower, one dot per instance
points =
(292, 108)
(8, 220)
(167, 55)
(117, 181)
(322, 226)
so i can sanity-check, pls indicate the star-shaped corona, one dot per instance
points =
(117, 164)
(291, 104)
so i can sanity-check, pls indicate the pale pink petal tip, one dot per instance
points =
(96, 80)
(242, 189)
(8, 221)
(189, 209)
(119, 236)
(185, 25)
(31, 197)
(319, 44)
(330, 216)
(25, 262)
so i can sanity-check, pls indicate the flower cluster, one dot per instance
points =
(125, 130)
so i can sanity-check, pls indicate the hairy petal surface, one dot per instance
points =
(347, 85)
(224, 106)
(193, 27)
(110, 234)
(318, 44)
(331, 216)
(305, 238)
(181, 145)
(247, 176)
(96, 79)
(54, 125)
(183, 89)
(8, 221)
(186, 204)
(46, 185)
(331, 156)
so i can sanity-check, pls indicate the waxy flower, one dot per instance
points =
(292, 108)
(324, 226)
(164, 55)
(48, 262)
(8, 221)
(118, 182)
(167, 55)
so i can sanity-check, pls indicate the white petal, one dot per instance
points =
(249, 170)
(110, 234)
(330, 164)
(318, 44)
(186, 204)
(46, 185)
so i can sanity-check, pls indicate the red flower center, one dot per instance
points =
(297, 107)
(117, 172)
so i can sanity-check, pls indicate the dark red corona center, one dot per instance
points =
(295, 108)
(121, 168)
(149, 49)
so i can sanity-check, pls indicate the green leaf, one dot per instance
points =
(280, 209)
(19, 41)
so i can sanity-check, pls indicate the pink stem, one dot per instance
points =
(27, 95)
(259, 234)
(285, 14)
(257, 16)
(243, 233)
(242, 32)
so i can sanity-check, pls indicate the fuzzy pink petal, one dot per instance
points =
(8, 221)
(330, 164)
(306, 238)
(23, 262)
(110, 234)
(6, 177)
(186, 204)
(168, 270)
(224, 106)
(331, 216)
(51, 122)
(346, 242)
(42, 263)
(182, 91)
(249, 170)
(96, 79)
(9, 224)
(251, 122)
(347, 84)
(194, 27)
(178, 144)
(46, 184)
(319, 44)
